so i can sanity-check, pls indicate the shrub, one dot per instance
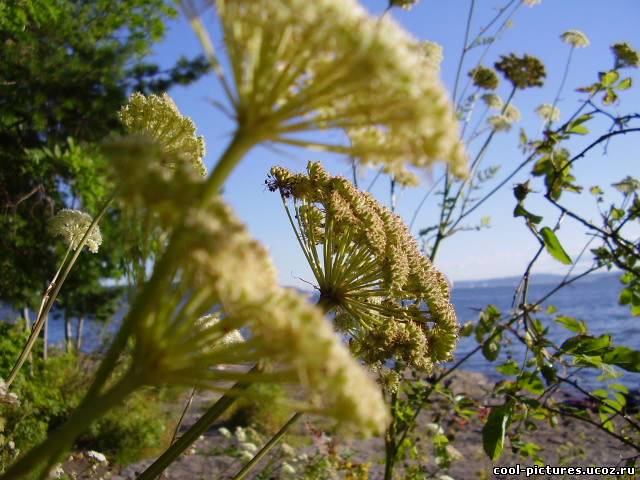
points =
(49, 396)
(262, 409)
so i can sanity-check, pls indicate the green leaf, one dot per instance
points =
(625, 296)
(624, 84)
(623, 357)
(609, 97)
(508, 368)
(572, 324)
(495, 430)
(609, 78)
(554, 247)
(551, 309)
(520, 211)
(586, 345)
(578, 129)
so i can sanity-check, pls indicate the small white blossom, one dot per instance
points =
(97, 456)
(575, 38)
(248, 447)
(224, 432)
(548, 112)
(71, 225)
(499, 123)
(288, 469)
(512, 113)
(493, 101)
(240, 434)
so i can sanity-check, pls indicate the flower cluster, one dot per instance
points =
(484, 77)
(369, 269)
(503, 122)
(575, 38)
(493, 101)
(522, 72)
(301, 66)
(625, 55)
(499, 123)
(72, 225)
(158, 117)
(548, 112)
(221, 266)
(404, 4)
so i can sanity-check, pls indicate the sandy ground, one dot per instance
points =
(572, 443)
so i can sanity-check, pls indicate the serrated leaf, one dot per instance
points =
(495, 430)
(572, 324)
(553, 246)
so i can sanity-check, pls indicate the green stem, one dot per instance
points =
(390, 445)
(184, 413)
(194, 432)
(62, 439)
(57, 285)
(238, 147)
(268, 446)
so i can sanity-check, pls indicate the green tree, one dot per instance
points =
(67, 66)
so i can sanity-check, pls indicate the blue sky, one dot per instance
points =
(506, 247)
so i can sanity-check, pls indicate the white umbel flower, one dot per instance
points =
(499, 123)
(512, 113)
(71, 225)
(575, 38)
(301, 66)
(493, 101)
(548, 112)
(158, 117)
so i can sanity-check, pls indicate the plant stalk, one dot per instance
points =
(267, 447)
(194, 432)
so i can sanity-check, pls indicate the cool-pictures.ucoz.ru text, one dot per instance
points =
(533, 470)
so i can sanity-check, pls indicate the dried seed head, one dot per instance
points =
(522, 72)
(484, 77)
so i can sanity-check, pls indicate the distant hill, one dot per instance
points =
(536, 279)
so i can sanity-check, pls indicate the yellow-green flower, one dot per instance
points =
(369, 269)
(158, 117)
(220, 266)
(72, 225)
(303, 67)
